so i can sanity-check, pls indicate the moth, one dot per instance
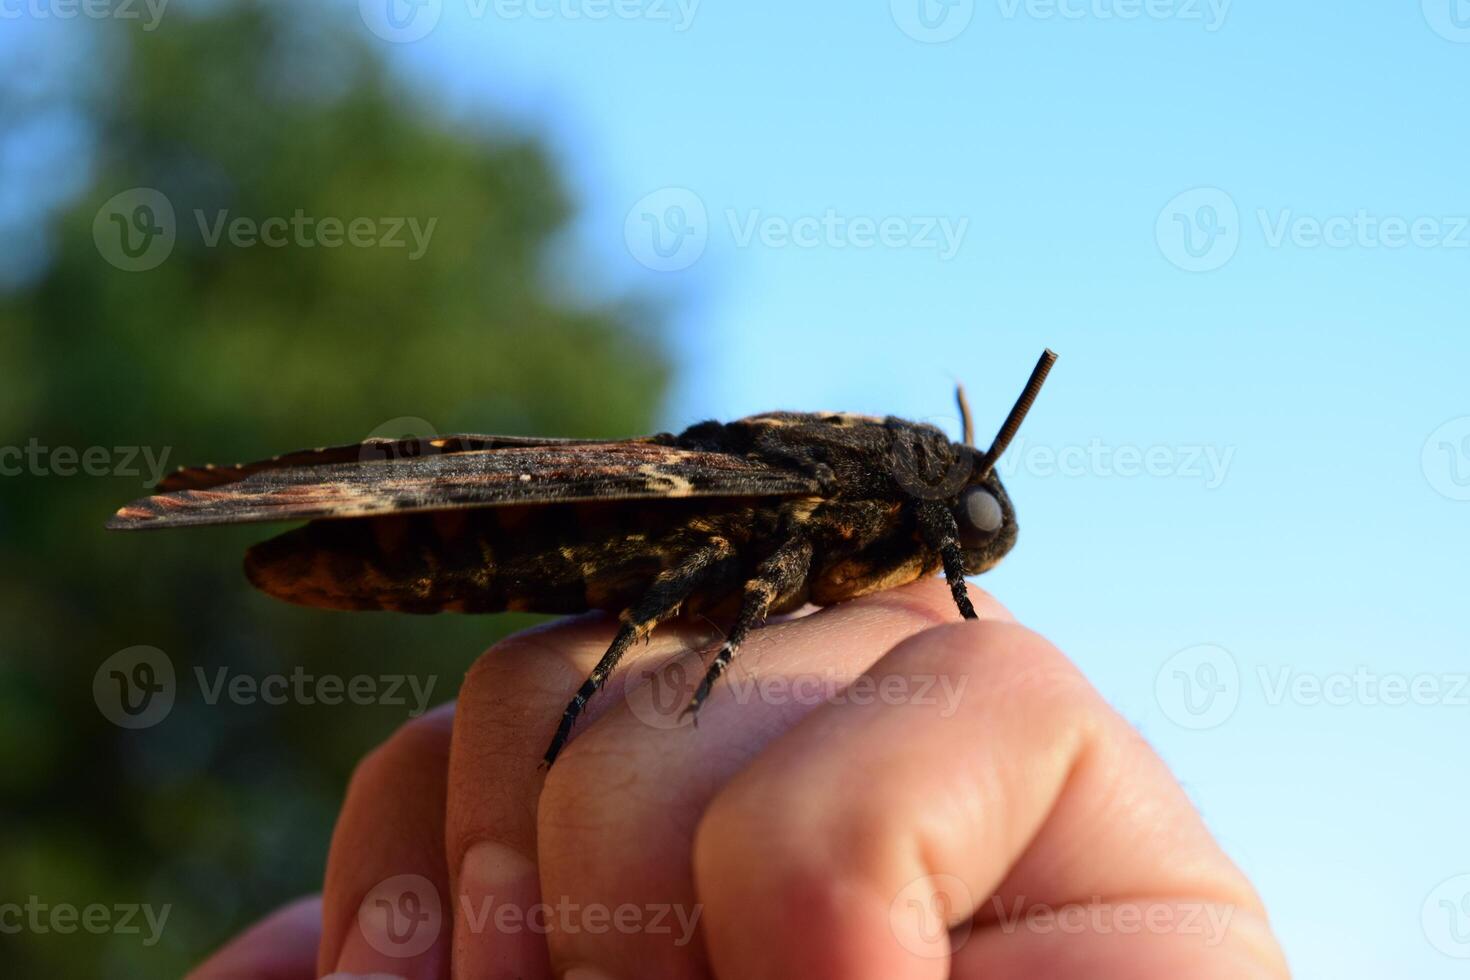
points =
(741, 519)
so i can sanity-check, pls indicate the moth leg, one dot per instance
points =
(669, 590)
(940, 532)
(780, 574)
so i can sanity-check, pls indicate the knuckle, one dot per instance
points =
(722, 836)
(504, 666)
(420, 742)
(556, 656)
(736, 841)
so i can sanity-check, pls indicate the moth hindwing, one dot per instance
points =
(741, 519)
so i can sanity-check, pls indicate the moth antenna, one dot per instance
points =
(969, 431)
(1018, 412)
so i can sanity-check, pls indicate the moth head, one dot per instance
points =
(987, 524)
(983, 511)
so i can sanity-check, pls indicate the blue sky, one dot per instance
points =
(1311, 579)
(1245, 226)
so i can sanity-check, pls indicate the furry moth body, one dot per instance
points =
(744, 519)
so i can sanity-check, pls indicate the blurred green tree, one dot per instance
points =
(224, 352)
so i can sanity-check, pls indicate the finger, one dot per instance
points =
(384, 900)
(507, 710)
(855, 842)
(618, 812)
(282, 946)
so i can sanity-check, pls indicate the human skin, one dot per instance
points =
(813, 834)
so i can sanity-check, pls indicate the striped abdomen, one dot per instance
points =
(561, 558)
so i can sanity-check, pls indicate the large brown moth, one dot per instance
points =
(749, 518)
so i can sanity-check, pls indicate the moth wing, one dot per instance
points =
(539, 474)
(368, 451)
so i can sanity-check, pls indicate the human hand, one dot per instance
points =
(970, 808)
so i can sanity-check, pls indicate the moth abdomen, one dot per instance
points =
(396, 563)
(550, 559)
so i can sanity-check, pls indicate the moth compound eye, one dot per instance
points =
(982, 511)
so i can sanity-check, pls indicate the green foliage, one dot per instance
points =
(223, 353)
